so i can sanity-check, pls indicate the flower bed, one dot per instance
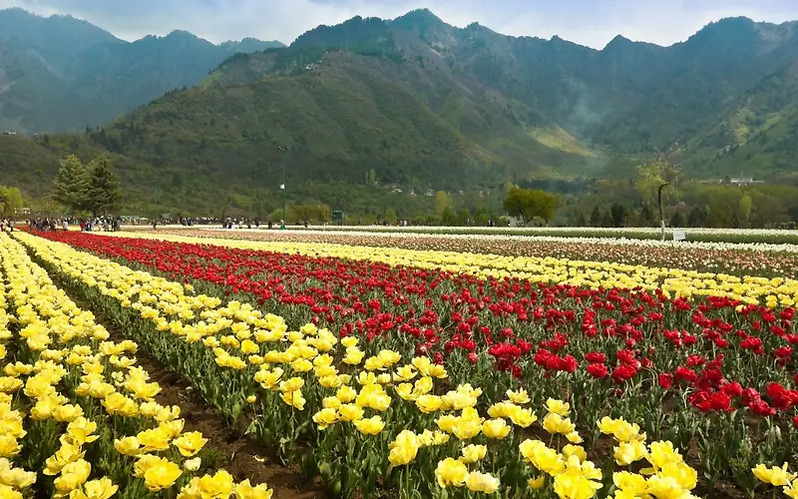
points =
(76, 405)
(777, 260)
(685, 370)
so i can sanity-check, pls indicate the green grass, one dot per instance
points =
(26, 164)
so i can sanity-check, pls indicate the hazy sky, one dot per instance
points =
(589, 22)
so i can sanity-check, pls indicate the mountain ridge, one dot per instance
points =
(415, 103)
(92, 76)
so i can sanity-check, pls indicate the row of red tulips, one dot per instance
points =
(729, 259)
(446, 313)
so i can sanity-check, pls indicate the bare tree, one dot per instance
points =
(656, 176)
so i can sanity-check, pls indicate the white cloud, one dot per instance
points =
(589, 22)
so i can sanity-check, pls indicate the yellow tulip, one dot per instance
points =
(325, 418)
(370, 426)
(536, 483)
(554, 423)
(451, 472)
(80, 431)
(73, 475)
(67, 412)
(627, 453)
(543, 458)
(190, 443)
(16, 477)
(161, 475)
(9, 446)
(99, 489)
(350, 412)
(292, 384)
(66, 454)
(569, 450)
(629, 482)
(482, 482)
(246, 491)
(558, 407)
(519, 396)
(473, 453)
(495, 428)
(294, 398)
(428, 403)
(404, 448)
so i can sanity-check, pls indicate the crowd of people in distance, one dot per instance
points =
(6, 225)
(240, 223)
(188, 222)
(104, 224)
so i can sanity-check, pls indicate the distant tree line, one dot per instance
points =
(656, 191)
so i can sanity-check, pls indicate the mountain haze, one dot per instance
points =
(59, 73)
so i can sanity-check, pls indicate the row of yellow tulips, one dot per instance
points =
(14, 479)
(86, 397)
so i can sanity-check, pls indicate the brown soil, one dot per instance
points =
(244, 458)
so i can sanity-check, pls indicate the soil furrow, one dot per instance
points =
(235, 452)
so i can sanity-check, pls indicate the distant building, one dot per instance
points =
(744, 181)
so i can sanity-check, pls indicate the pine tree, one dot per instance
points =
(595, 217)
(70, 183)
(102, 190)
(646, 215)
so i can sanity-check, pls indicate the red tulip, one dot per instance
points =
(597, 370)
(623, 372)
(595, 357)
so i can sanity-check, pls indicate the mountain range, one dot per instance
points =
(413, 103)
(61, 74)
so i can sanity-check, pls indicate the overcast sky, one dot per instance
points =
(588, 22)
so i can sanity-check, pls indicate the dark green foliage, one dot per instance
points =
(618, 214)
(69, 186)
(93, 188)
(646, 215)
(595, 217)
(24, 163)
(606, 219)
(697, 216)
(101, 194)
(10, 201)
(530, 204)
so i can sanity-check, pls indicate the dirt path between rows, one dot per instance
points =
(242, 456)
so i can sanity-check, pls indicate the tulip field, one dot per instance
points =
(743, 259)
(78, 414)
(412, 367)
